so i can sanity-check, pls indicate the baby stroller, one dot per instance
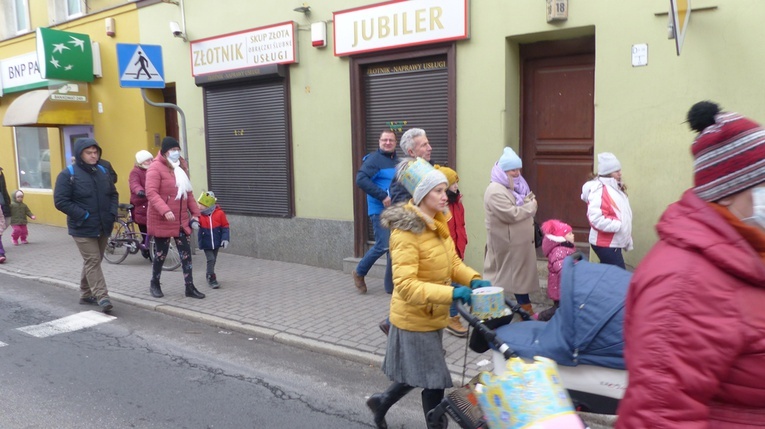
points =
(584, 338)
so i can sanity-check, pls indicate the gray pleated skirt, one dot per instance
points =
(417, 359)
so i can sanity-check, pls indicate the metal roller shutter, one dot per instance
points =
(248, 157)
(410, 99)
(407, 99)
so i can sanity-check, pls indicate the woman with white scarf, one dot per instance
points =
(510, 206)
(171, 198)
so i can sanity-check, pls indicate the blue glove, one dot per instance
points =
(476, 283)
(463, 293)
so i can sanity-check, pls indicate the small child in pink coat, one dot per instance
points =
(558, 242)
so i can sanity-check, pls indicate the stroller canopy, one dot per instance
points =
(587, 327)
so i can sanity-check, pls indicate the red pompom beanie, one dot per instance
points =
(729, 157)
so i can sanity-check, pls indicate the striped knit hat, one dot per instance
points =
(729, 155)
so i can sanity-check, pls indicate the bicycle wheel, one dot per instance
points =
(119, 244)
(173, 259)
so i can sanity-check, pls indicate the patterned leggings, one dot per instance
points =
(184, 251)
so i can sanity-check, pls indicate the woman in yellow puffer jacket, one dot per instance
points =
(425, 263)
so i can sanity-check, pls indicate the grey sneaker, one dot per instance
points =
(105, 304)
(90, 300)
(212, 281)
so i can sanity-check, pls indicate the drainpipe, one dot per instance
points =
(182, 125)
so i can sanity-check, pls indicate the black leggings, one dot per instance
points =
(161, 245)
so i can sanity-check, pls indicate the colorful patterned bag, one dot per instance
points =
(529, 395)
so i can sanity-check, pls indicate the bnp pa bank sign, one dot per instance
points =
(20, 73)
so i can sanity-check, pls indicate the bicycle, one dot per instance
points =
(126, 240)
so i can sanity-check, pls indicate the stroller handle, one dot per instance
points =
(487, 333)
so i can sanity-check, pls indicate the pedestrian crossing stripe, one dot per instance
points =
(140, 68)
(72, 323)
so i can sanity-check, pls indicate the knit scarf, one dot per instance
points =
(439, 223)
(520, 188)
(181, 180)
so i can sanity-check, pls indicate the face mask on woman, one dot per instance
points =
(174, 155)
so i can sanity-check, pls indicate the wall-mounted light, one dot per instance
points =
(304, 9)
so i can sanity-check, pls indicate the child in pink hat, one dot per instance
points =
(558, 242)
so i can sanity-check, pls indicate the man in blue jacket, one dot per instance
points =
(85, 192)
(374, 178)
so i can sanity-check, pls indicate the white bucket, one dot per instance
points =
(488, 302)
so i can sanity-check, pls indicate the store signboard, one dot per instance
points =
(275, 44)
(20, 73)
(399, 23)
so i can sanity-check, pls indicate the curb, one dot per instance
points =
(309, 344)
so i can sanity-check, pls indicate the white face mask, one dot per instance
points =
(174, 155)
(758, 208)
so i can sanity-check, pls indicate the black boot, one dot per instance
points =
(431, 398)
(380, 403)
(155, 290)
(212, 280)
(192, 292)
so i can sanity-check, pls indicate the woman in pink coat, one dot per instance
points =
(137, 182)
(171, 198)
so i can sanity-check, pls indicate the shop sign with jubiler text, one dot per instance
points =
(275, 44)
(400, 23)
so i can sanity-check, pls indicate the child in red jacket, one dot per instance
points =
(213, 233)
(459, 236)
(558, 242)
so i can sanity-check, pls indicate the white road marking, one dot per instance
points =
(2, 344)
(71, 323)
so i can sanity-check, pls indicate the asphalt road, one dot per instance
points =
(143, 369)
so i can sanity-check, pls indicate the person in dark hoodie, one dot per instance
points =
(694, 329)
(85, 192)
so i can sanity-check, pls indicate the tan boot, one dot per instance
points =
(359, 282)
(455, 327)
(528, 309)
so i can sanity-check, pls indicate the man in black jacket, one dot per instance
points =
(5, 218)
(85, 192)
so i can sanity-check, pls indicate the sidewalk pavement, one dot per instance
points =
(314, 308)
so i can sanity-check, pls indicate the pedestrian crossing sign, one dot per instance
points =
(140, 66)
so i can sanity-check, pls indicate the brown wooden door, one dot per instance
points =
(557, 126)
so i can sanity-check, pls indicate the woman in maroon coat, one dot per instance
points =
(171, 199)
(694, 327)
(137, 182)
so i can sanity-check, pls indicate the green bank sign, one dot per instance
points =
(64, 56)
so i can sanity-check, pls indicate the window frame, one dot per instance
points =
(82, 6)
(21, 167)
(15, 6)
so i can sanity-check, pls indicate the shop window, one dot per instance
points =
(33, 157)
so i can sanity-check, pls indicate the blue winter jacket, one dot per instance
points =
(374, 178)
